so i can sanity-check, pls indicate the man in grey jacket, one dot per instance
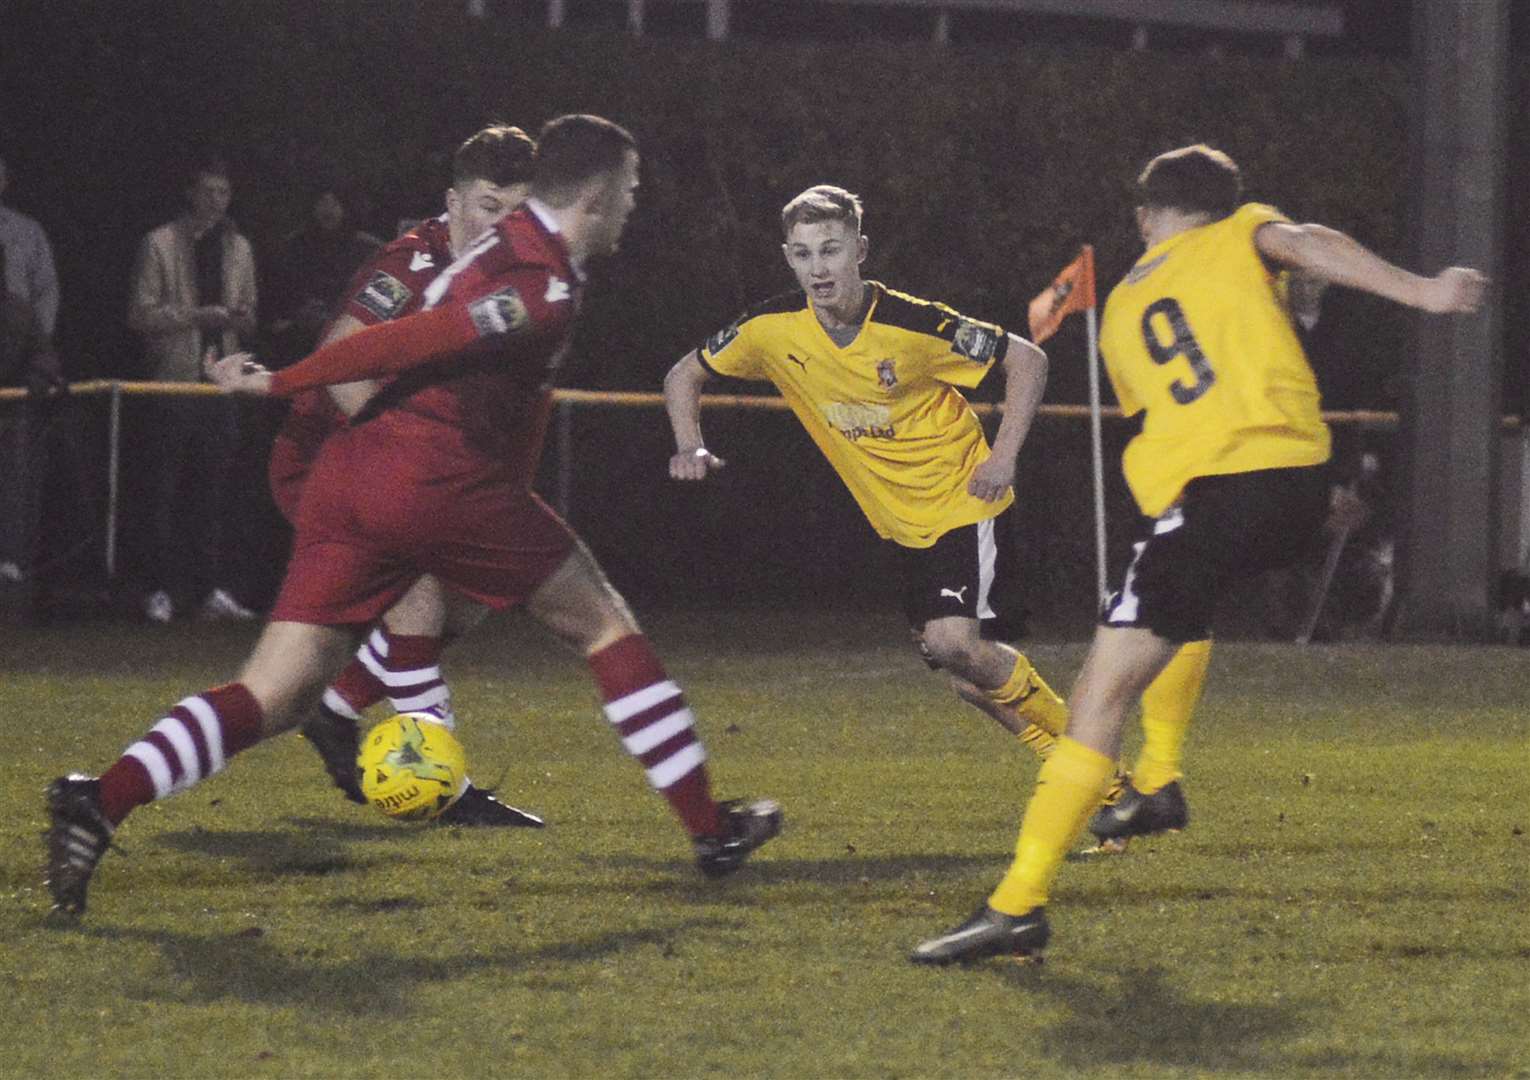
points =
(193, 291)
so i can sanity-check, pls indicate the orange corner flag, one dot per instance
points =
(1072, 290)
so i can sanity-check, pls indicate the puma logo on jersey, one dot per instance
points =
(955, 594)
(557, 289)
(800, 363)
(420, 260)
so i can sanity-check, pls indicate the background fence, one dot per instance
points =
(776, 528)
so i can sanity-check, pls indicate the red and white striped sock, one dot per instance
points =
(409, 667)
(192, 743)
(357, 689)
(656, 726)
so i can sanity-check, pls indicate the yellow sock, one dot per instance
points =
(1167, 705)
(1041, 741)
(1067, 791)
(1027, 694)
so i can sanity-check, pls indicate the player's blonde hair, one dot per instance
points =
(823, 202)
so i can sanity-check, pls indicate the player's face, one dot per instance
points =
(209, 196)
(826, 257)
(474, 208)
(615, 205)
(328, 212)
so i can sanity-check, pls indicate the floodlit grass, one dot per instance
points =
(1350, 898)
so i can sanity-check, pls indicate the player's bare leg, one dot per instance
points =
(647, 709)
(997, 680)
(1002, 683)
(288, 668)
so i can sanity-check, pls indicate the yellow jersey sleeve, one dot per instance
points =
(1198, 336)
(733, 351)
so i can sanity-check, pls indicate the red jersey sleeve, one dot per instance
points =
(392, 283)
(520, 314)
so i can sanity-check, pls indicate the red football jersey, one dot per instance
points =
(392, 284)
(475, 367)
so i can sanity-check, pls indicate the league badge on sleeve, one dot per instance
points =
(720, 340)
(384, 296)
(974, 341)
(503, 312)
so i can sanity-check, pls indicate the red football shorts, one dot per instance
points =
(287, 470)
(297, 444)
(381, 507)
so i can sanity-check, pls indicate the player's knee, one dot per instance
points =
(949, 648)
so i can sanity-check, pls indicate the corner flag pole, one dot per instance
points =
(1073, 290)
(1097, 450)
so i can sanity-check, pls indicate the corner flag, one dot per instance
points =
(1072, 290)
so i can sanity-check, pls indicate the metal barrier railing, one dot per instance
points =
(567, 400)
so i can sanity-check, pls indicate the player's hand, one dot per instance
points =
(1457, 290)
(695, 464)
(237, 373)
(991, 479)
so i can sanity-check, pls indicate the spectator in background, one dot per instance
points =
(193, 292)
(311, 270)
(28, 362)
(28, 317)
(29, 272)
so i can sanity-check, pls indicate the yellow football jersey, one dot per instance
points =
(1199, 336)
(884, 409)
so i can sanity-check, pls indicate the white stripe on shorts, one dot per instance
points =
(988, 556)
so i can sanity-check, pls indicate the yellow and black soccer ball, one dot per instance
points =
(412, 767)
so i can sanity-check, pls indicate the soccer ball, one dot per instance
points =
(412, 767)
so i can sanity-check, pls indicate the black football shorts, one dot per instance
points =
(1222, 529)
(968, 572)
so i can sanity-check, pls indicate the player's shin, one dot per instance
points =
(191, 743)
(1167, 706)
(1068, 789)
(656, 726)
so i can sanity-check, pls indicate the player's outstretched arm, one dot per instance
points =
(348, 397)
(682, 401)
(1025, 380)
(1339, 258)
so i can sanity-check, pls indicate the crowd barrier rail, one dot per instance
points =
(567, 401)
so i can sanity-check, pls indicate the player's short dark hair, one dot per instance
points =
(823, 202)
(500, 153)
(574, 149)
(1196, 179)
(207, 164)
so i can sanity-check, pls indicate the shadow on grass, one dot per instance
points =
(249, 967)
(1137, 1020)
(299, 846)
(678, 881)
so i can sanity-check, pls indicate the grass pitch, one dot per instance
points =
(1349, 900)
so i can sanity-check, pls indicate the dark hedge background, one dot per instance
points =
(983, 169)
